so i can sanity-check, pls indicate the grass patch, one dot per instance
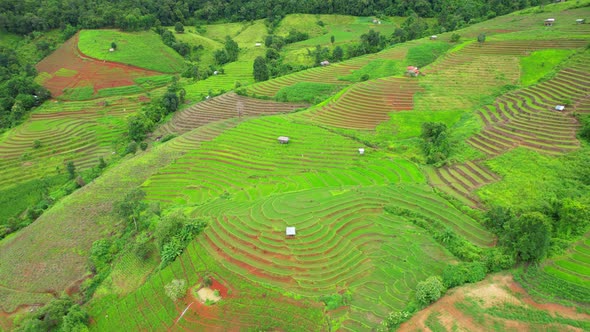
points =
(64, 72)
(42, 77)
(306, 91)
(142, 49)
(424, 54)
(120, 91)
(375, 69)
(540, 64)
(82, 93)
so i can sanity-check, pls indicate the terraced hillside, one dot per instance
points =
(80, 132)
(527, 117)
(365, 105)
(229, 105)
(248, 162)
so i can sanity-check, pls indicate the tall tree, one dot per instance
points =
(528, 236)
(260, 69)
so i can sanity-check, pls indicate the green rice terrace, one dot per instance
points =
(295, 170)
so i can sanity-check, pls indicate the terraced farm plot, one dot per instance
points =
(344, 241)
(461, 180)
(67, 68)
(527, 117)
(573, 268)
(329, 74)
(365, 105)
(243, 305)
(73, 131)
(226, 106)
(248, 162)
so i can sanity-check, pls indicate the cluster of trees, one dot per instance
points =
(138, 126)
(19, 93)
(435, 142)
(26, 16)
(60, 314)
(229, 53)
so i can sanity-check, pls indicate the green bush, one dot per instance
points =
(143, 146)
(175, 289)
(457, 275)
(429, 290)
(335, 301)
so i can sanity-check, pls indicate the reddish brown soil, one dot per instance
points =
(98, 74)
(494, 290)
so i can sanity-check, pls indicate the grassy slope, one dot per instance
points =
(141, 49)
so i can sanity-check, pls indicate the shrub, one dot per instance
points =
(175, 289)
(143, 146)
(457, 275)
(207, 281)
(335, 301)
(36, 144)
(455, 37)
(167, 138)
(131, 148)
(429, 290)
(365, 77)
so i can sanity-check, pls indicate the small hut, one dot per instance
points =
(433, 37)
(258, 44)
(559, 108)
(111, 49)
(215, 72)
(283, 139)
(549, 22)
(412, 71)
(325, 63)
(290, 231)
(361, 151)
(581, 21)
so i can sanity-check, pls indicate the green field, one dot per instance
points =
(141, 49)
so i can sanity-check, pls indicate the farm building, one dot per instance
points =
(258, 44)
(559, 108)
(290, 231)
(283, 139)
(549, 22)
(361, 151)
(433, 37)
(325, 63)
(580, 21)
(412, 71)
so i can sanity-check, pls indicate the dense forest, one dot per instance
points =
(23, 17)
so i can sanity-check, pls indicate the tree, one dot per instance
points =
(528, 236)
(114, 45)
(170, 101)
(337, 53)
(455, 37)
(332, 39)
(481, 38)
(231, 48)
(429, 290)
(585, 131)
(178, 27)
(138, 126)
(574, 217)
(175, 289)
(131, 206)
(436, 145)
(497, 217)
(260, 69)
(71, 168)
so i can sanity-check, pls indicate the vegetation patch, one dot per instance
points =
(375, 69)
(424, 54)
(141, 49)
(306, 91)
(540, 64)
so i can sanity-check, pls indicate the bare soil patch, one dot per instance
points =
(495, 290)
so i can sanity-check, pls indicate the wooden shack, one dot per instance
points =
(283, 139)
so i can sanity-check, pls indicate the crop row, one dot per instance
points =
(343, 239)
(248, 161)
(365, 105)
(527, 117)
(226, 106)
(246, 306)
(460, 180)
